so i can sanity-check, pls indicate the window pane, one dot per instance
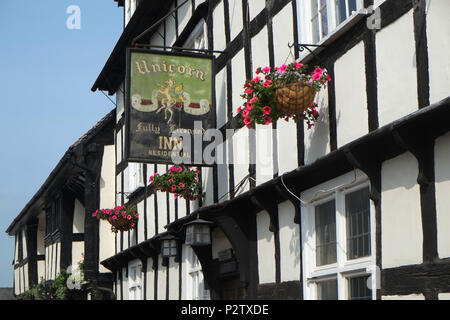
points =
(351, 6)
(358, 289)
(327, 290)
(340, 11)
(324, 19)
(325, 233)
(357, 207)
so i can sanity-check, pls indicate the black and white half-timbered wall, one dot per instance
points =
(357, 207)
(55, 231)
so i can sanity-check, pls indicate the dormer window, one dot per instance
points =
(197, 39)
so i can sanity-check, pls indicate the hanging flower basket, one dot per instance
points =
(121, 218)
(294, 98)
(282, 92)
(181, 181)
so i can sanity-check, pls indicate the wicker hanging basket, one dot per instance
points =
(294, 98)
(121, 224)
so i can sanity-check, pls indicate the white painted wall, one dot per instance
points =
(125, 284)
(41, 233)
(219, 27)
(401, 222)
(266, 248)
(78, 251)
(289, 243)
(438, 35)
(444, 296)
(351, 98)
(396, 68)
(78, 215)
(150, 280)
(442, 184)
(161, 280)
(174, 279)
(141, 222)
(317, 139)
(235, 17)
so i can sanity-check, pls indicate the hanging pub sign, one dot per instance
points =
(168, 94)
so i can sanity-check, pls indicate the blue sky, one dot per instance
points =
(46, 72)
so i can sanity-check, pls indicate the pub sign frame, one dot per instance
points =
(166, 91)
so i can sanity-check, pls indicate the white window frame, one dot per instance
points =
(197, 39)
(195, 284)
(135, 285)
(343, 269)
(135, 176)
(305, 19)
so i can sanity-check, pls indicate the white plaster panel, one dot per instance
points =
(162, 210)
(401, 233)
(241, 156)
(208, 185)
(260, 53)
(444, 296)
(264, 153)
(173, 279)
(150, 216)
(317, 139)
(396, 69)
(283, 33)
(287, 146)
(77, 252)
(125, 284)
(107, 240)
(238, 79)
(235, 17)
(161, 294)
(41, 270)
(25, 275)
(78, 216)
(266, 248)
(120, 102)
(24, 243)
(351, 96)
(219, 242)
(442, 178)
(438, 35)
(150, 280)
(119, 189)
(256, 6)
(107, 187)
(171, 32)
(141, 222)
(221, 97)
(404, 297)
(289, 242)
(119, 146)
(184, 14)
(219, 27)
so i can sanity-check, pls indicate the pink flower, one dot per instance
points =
(267, 110)
(252, 100)
(267, 120)
(129, 217)
(256, 79)
(249, 91)
(175, 196)
(137, 215)
(319, 71)
(179, 169)
(94, 214)
(249, 107)
(328, 77)
(316, 76)
(298, 65)
(170, 180)
(247, 120)
(266, 84)
(310, 125)
(257, 71)
(124, 216)
(283, 68)
(132, 224)
(239, 110)
(181, 184)
(114, 217)
(245, 113)
(266, 69)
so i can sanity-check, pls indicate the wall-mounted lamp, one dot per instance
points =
(198, 233)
